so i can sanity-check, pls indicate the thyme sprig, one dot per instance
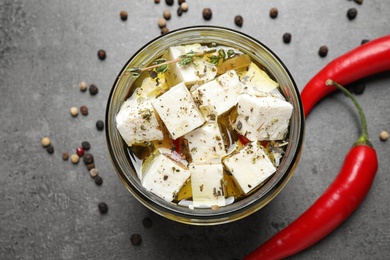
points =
(161, 65)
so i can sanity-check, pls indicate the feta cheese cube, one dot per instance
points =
(207, 185)
(205, 143)
(199, 70)
(262, 118)
(219, 95)
(137, 122)
(178, 111)
(163, 176)
(250, 166)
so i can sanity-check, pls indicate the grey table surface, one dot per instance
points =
(48, 207)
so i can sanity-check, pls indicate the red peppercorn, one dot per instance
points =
(80, 151)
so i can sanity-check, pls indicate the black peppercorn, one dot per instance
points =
(147, 222)
(323, 51)
(101, 54)
(98, 180)
(123, 15)
(50, 149)
(207, 14)
(179, 11)
(358, 1)
(86, 145)
(84, 110)
(65, 156)
(364, 41)
(136, 239)
(181, 1)
(357, 87)
(238, 20)
(287, 37)
(169, 2)
(100, 125)
(156, 1)
(103, 208)
(88, 158)
(273, 13)
(351, 13)
(93, 89)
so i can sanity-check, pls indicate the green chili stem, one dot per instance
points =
(363, 139)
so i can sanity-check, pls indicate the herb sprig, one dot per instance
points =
(161, 65)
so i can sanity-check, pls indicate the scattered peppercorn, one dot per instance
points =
(93, 89)
(179, 11)
(384, 135)
(238, 20)
(83, 86)
(90, 166)
(74, 111)
(147, 222)
(123, 15)
(45, 141)
(161, 22)
(156, 1)
(164, 30)
(169, 2)
(136, 239)
(94, 173)
(287, 37)
(80, 151)
(88, 158)
(101, 54)
(50, 149)
(359, 2)
(84, 110)
(98, 180)
(273, 13)
(207, 14)
(100, 125)
(167, 14)
(352, 13)
(184, 6)
(74, 158)
(86, 145)
(323, 51)
(103, 208)
(357, 87)
(364, 41)
(181, 1)
(65, 156)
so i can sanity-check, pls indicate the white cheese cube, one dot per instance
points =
(262, 118)
(207, 185)
(199, 70)
(219, 95)
(137, 122)
(205, 143)
(163, 176)
(178, 111)
(250, 167)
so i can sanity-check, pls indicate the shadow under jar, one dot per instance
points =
(125, 165)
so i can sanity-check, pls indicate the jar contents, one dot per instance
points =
(205, 125)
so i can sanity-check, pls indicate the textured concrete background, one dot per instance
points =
(48, 207)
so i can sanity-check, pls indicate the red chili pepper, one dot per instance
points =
(367, 59)
(333, 207)
(176, 144)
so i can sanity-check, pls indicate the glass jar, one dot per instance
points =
(259, 53)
